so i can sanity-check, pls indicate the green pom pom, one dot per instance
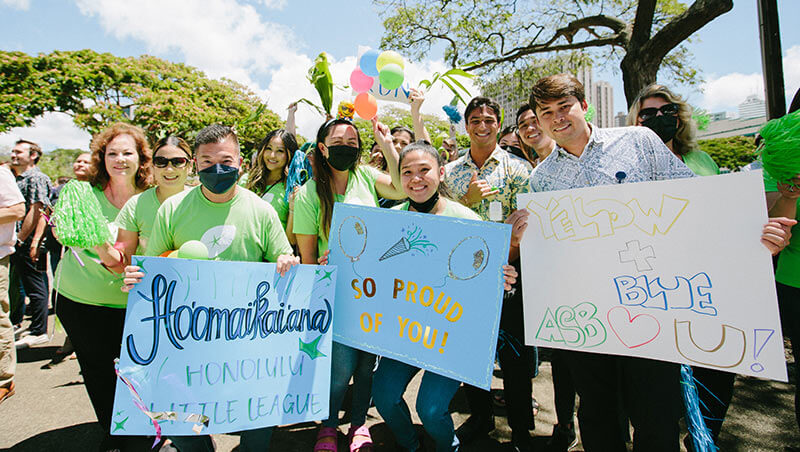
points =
(780, 150)
(79, 220)
(590, 112)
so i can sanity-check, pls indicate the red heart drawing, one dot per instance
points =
(633, 331)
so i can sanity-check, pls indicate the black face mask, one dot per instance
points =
(426, 206)
(665, 126)
(218, 178)
(343, 157)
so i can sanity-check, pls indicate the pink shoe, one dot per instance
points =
(359, 438)
(327, 440)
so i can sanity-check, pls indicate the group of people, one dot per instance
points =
(142, 192)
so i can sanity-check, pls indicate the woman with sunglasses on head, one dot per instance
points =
(421, 171)
(338, 177)
(89, 303)
(269, 171)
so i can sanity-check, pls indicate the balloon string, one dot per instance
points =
(137, 400)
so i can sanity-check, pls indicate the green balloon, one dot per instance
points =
(193, 249)
(391, 76)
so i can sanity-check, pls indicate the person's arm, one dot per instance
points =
(30, 222)
(519, 223)
(12, 214)
(37, 238)
(389, 185)
(307, 245)
(777, 234)
(290, 218)
(291, 126)
(110, 254)
(478, 190)
(417, 97)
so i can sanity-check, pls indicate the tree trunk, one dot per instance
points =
(637, 73)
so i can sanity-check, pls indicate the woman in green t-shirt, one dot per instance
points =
(421, 173)
(338, 177)
(268, 175)
(89, 303)
(172, 163)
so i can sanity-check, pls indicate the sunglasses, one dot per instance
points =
(666, 110)
(177, 162)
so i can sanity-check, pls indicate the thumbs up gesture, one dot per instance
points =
(478, 190)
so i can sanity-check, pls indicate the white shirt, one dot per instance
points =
(9, 196)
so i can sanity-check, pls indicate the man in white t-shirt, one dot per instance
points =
(12, 209)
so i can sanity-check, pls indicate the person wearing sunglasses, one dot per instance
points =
(172, 163)
(670, 117)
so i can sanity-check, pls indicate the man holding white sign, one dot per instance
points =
(589, 157)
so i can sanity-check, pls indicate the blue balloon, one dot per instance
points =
(368, 62)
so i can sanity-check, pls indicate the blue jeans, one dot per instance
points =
(348, 362)
(433, 400)
(251, 441)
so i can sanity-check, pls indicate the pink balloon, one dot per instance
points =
(360, 81)
(366, 106)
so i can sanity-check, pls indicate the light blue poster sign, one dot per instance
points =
(419, 288)
(232, 345)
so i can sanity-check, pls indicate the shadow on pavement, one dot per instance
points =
(31, 355)
(75, 438)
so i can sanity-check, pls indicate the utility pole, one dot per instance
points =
(771, 58)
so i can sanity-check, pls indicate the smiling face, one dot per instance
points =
(420, 175)
(482, 127)
(400, 139)
(170, 177)
(274, 155)
(22, 157)
(529, 131)
(563, 119)
(81, 166)
(121, 157)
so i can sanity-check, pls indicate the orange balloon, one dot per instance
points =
(366, 106)
(165, 253)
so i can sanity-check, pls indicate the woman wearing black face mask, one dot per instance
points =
(338, 177)
(666, 114)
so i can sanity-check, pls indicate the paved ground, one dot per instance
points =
(51, 411)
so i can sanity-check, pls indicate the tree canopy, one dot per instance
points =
(491, 35)
(97, 89)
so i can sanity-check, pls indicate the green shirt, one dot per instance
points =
(451, 209)
(243, 229)
(91, 283)
(701, 163)
(788, 271)
(360, 190)
(274, 196)
(138, 215)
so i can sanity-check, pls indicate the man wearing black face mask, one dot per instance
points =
(234, 224)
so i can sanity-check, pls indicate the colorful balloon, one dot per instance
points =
(173, 254)
(193, 249)
(367, 62)
(389, 57)
(360, 81)
(366, 106)
(391, 76)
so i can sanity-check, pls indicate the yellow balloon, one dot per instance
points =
(389, 57)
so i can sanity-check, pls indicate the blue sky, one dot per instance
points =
(269, 45)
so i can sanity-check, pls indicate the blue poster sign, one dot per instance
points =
(218, 347)
(422, 289)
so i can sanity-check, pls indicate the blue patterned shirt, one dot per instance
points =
(636, 152)
(508, 173)
(35, 187)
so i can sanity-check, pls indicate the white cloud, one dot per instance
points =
(274, 4)
(725, 93)
(18, 4)
(51, 131)
(224, 38)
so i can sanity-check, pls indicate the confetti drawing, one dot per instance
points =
(413, 241)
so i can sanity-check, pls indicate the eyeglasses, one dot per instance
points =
(666, 110)
(177, 162)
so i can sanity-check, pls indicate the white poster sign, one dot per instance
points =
(671, 270)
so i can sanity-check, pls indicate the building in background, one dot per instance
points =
(621, 119)
(752, 107)
(604, 104)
